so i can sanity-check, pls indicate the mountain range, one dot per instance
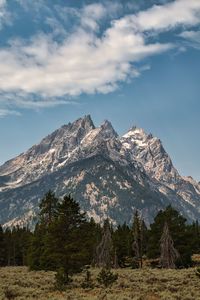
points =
(109, 175)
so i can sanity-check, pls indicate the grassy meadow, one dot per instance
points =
(147, 284)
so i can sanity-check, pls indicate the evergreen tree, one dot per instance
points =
(91, 236)
(40, 250)
(36, 248)
(8, 246)
(2, 248)
(65, 243)
(67, 238)
(169, 254)
(14, 245)
(122, 239)
(193, 231)
(48, 208)
(25, 238)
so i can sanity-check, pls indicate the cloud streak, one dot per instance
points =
(168, 16)
(192, 38)
(5, 16)
(6, 112)
(86, 61)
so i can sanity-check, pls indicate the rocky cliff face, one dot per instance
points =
(109, 175)
(149, 151)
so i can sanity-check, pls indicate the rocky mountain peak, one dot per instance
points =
(65, 138)
(48, 155)
(137, 134)
(192, 181)
(149, 151)
(108, 130)
(134, 138)
(85, 123)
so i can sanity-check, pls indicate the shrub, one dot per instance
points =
(10, 293)
(87, 282)
(106, 277)
(62, 279)
(198, 272)
(135, 264)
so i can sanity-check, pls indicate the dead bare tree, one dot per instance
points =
(169, 254)
(104, 251)
(137, 245)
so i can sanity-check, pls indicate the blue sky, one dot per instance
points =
(132, 62)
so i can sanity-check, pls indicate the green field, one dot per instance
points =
(148, 284)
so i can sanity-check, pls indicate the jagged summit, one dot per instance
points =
(85, 123)
(65, 145)
(138, 134)
(135, 129)
(108, 129)
(150, 152)
(109, 175)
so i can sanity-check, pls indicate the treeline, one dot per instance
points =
(65, 239)
(14, 245)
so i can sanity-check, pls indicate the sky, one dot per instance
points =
(133, 62)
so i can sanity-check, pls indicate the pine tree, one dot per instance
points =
(14, 245)
(24, 243)
(2, 248)
(63, 242)
(193, 231)
(122, 239)
(48, 208)
(67, 237)
(169, 254)
(40, 252)
(66, 240)
(36, 248)
(8, 246)
(91, 236)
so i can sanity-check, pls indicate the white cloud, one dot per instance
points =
(29, 101)
(172, 14)
(2, 3)
(91, 14)
(85, 62)
(6, 112)
(192, 37)
(56, 27)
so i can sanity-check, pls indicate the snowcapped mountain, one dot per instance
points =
(109, 175)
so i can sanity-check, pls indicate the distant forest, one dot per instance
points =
(65, 239)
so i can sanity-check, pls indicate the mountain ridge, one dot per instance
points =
(135, 164)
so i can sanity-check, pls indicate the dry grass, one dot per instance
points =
(149, 284)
